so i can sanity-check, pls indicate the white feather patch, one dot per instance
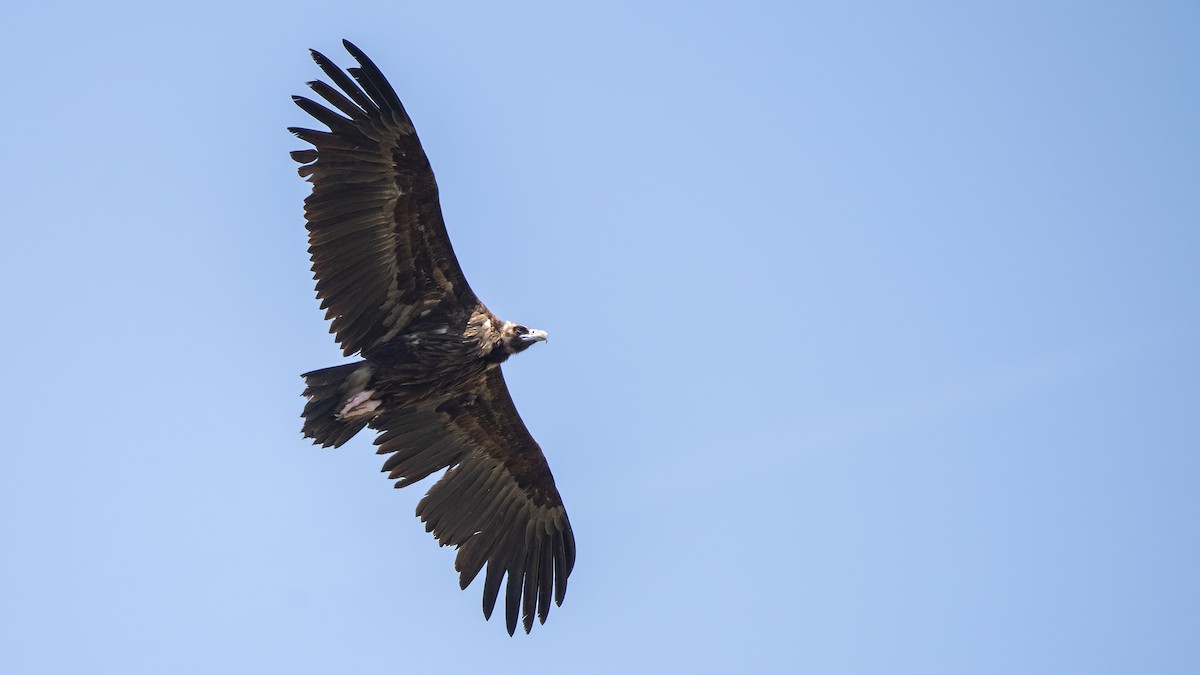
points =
(360, 404)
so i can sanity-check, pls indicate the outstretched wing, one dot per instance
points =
(497, 504)
(380, 252)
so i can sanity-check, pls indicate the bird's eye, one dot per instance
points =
(520, 330)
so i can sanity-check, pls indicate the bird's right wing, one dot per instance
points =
(380, 252)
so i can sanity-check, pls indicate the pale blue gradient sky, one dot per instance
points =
(873, 328)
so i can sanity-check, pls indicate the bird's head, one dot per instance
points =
(517, 338)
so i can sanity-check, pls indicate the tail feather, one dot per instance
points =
(327, 391)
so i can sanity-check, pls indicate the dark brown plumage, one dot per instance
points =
(430, 379)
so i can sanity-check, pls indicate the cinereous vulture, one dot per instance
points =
(429, 380)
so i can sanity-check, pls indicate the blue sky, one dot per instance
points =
(873, 336)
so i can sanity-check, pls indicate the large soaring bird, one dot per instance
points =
(429, 380)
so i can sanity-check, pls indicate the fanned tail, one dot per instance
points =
(338, 403)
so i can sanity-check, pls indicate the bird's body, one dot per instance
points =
(430, 379)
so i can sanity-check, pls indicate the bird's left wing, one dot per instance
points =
(497, 504)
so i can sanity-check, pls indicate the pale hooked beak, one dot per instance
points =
(535, 336)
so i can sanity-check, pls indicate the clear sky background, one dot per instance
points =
(873, 336)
